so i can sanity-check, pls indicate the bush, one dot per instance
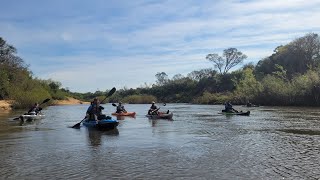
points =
(139, 99)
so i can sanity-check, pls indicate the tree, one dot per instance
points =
(162, 78)
(231, 57)
(202, 73)
(247, 87)
(177, 77)
(297, 57)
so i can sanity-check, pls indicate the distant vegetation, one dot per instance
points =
(289, 76)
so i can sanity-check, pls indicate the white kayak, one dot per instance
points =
(30, 117)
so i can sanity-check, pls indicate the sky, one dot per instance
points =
(91, 45)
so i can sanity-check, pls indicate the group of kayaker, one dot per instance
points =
(94, 111)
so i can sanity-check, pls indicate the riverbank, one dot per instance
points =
(5, 105)
(68, 101)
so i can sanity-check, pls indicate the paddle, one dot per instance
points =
(235, 110)
(44, 101)
(108, 95)
(155, 110)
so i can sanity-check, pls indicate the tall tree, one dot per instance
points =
(230, 58)
(197, 75)
(162, 78)
(297, 57)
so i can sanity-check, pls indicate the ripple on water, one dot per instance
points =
(271, 143)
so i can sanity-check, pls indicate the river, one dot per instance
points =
(271, 143)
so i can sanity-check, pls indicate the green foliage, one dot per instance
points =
(297, 57)
(275, 91)
(212, 98)
(139, 99)
(290, 76)
(27, 94)
(247, 87)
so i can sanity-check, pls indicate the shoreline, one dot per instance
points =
(6, 105)
(68, 101)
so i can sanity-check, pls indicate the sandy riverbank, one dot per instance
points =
(5, 105)
(68, 101)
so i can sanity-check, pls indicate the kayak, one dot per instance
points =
(31, 117)
(124, 114)
(236, 113)
(161, 115)
(102, 124)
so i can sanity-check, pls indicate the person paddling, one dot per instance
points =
(94, 111)
(35, 109)
(228, 107)
(153, 109)
(120, 108)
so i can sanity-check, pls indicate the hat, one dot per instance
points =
(152, 102)
(120, 102)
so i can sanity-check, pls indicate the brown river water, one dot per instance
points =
(271, 143)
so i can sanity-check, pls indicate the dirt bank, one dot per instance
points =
(5, 105)
(68, 101)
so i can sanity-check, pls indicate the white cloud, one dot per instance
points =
(137, 39)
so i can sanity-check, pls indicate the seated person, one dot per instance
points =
(94, 111)
(153, 109)
(35, 109)
(120, 108)
(228, 107)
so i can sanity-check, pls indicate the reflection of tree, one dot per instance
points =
(95, 135)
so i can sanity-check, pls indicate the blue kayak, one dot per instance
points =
(102, 124)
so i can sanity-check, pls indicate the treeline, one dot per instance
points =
(290, 76)
(17, 81)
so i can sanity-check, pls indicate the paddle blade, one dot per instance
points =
(113, 104)
(111, 91)
(77, 125)
(46, 100)
(16, 118)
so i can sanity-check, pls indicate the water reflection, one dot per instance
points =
(94, 135)
(156, 122)
(125, 117)
(271, 143)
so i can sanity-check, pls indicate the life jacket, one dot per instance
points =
(94, 109)
(153, 107)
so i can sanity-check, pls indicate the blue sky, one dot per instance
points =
(100, 44)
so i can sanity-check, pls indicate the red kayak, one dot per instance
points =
(124, 114)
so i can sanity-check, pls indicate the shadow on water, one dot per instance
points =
(300, 131)
(156, 122)
(95, 136)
